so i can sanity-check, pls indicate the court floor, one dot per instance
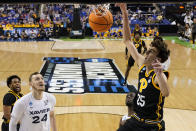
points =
(102, 112)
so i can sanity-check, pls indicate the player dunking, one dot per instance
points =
(152, 84)
(34, 111)
(138, 44)
(14, 83)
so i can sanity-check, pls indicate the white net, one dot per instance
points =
(100, 9)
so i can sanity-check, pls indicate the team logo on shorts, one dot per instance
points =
(74, 75)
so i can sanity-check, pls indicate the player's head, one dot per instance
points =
(155, 28)
(137, 36)
(158, 38)
(194, 20)
(36, 81)
(14, 83)
(137, 26)
(187, 26)
(158, 50)
(129, 99)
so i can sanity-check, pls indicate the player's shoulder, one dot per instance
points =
(9, 99)
(49, 95)
(9, 96)
(25, 98)
(22, 101)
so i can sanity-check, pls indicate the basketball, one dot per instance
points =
(99, 21)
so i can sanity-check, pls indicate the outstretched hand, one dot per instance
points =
(157, 66)
(123, 6)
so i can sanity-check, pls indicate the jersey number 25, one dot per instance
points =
(140, 100)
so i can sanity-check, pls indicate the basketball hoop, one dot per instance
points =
(100, 9)
(76, 5)
(100, 18)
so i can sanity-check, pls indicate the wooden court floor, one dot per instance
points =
(102, 112)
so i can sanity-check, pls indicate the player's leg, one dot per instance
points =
(126, 53)
(193, 37)
(127, 74)
(18, 127)
(4, 127)
(130, 64)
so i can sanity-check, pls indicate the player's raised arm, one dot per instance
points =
(161, 78)
(126, 28)
(127, 35)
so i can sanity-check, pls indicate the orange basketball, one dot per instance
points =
(100, 22)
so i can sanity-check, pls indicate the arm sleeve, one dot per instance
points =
(8, 99)
(16, 115)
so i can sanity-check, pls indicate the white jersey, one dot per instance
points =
(34, 115)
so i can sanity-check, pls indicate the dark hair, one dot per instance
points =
(163, 51)
(137, 26)
(138, 32)
(158, 38)
(30, 77)
(9, 79)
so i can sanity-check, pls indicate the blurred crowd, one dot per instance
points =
(43, 21)
(117, 33)
(187, 28)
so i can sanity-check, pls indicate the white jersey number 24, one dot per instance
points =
(36, 119)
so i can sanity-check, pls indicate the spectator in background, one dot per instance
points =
(24, 35)
(48, 33)
(194, 13)
(189, 21)
(187, 15)
(41, 34)
(187, 33)
(2, 37)
(8, 36)
(33, 34)
(69, 25)
(137, 30)
(180, 31)
(16, 36)
(194, 31)
(155, 31)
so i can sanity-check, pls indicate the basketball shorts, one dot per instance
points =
(133, 124)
